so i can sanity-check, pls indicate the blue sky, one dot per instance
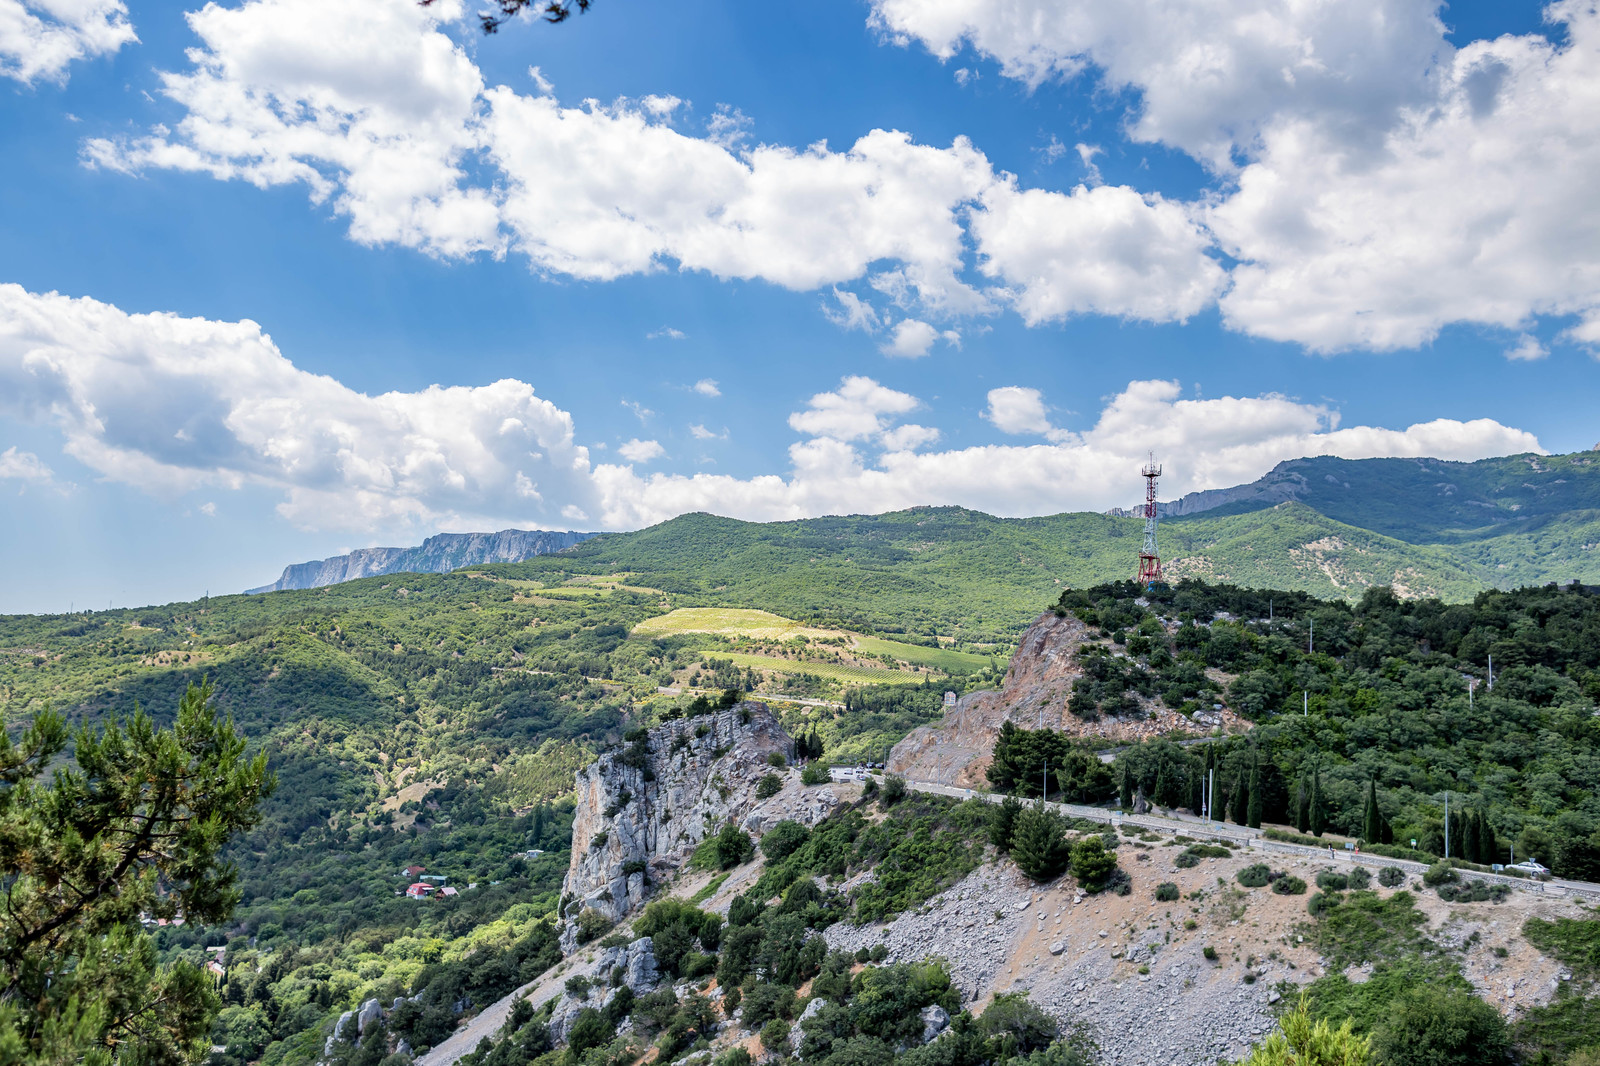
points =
(294, 245)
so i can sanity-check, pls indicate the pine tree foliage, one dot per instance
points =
(132, 828)
(1254, 802)
(1003, 822)
(1301, 1042)
(1038, 843)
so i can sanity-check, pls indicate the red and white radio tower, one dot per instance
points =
(1150, 558)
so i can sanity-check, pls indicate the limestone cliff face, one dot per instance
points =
(959, 749)
(436, 555)
(641, 810)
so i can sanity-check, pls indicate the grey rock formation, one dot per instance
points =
(371, 1011)
(437, 555)
(642, 809)
(797, 1030)
(638, 962)
(338, 1031)
(935, 1020)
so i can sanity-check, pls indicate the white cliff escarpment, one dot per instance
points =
(643, 808)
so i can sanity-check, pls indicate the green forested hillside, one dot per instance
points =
(1392, 703)
(436, 720)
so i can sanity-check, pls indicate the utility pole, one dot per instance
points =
(1491, 673)
(1305, 704)
(1211, 795)
(1311, 640)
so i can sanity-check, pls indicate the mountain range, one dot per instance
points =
(1328, 526)
(437, 555)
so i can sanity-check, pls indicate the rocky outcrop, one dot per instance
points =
(643, 808)
(1033, 695)
(436, 555)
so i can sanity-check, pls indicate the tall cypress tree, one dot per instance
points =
(1160, 793)
(1372, 817)
(1239, 805)
(1302, 806)
(1253, 807)
(1197, 794)
(1318, 818)
(1469, 837)
(1125, 796)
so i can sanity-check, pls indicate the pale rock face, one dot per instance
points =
(958, 750)
(1034, 693)
(696, 775)
(437, 555)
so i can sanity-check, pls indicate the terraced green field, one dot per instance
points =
(728, 622)
(850, 675)
(942, 659)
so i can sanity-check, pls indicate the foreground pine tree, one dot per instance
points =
(131, 828)
(1301, 1042)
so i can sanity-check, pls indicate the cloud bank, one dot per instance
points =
(171, 404)
(1371, 183)
(39, 39)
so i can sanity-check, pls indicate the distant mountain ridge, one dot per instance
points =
(438, 554)
(1414, 500)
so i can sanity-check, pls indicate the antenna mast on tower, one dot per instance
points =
(1150, 558)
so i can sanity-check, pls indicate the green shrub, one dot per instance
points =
(1255, 876)
(1320, 904)
(1166, 892)
(1289, 885)
(769, 785)
(1440, 873)
(766, 1001)
(1359, 878)
(1186, 861)
(1329, 881)
(775, 1036)
(578, 986)
(733, 847)
(1092, 863)
(1039, 844)
(782, 840)
(1476, 891)
(815, 774)
(1210, 953)
(734, 1056)
(591, 925)
(1390, 876)
(775, 758)
(894, 790)
(1432, 1026)
(1003, 822)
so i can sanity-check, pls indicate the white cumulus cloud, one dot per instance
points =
(169, 404)
(1015, 409)
(859, 407)
(39, 39)
(707, 387)
(23, 466)
(641, 451)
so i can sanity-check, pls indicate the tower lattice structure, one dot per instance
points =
(1150, 557)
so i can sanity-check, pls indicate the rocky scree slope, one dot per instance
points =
(958, 749)
(1133, 971)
